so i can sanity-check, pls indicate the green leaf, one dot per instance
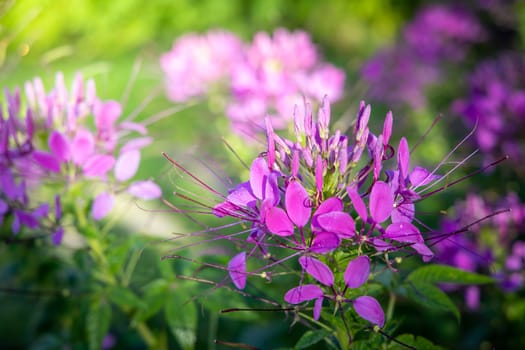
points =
(125, 299)
(447, 274)
(181, 317)
(97, 322)
(432, 297)
(310, 338)
(419, 343)
(155, 295)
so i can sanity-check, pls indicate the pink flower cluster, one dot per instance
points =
(69, 137)
(319, 196)
(265, 77)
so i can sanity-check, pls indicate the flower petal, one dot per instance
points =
(357, 271)
(403, 158)
(237, 270)
(337, 222)
(369, 308)
(145, 190)
(59, 146)
(102, 205)
(403, 232)
(127, 165)
(303, 293)
(318, 305)
(357, 202)
(98, 165)
(421, 177)
(329, 205)
(381, 202)
(325, 242)
(278, 222)
(297, 204)
(47, 161)
(317, 270)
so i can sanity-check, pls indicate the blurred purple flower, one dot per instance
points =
(496, 104)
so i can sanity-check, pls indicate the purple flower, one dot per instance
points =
(495, 103)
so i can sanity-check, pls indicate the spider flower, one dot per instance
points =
(330, 202)
(66, 138)
(264, 77)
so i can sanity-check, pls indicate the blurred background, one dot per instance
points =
(46, 293)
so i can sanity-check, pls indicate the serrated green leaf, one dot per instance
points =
(310, 338)
(447, 274)
(181, 317)
(431, 296)
(419, 343)
(97, 323)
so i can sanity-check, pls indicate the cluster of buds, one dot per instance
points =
(69, 138)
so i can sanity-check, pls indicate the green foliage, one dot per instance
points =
(310, 338)
(446, 274)
(420, 286)
(97, 322)
(419, 343)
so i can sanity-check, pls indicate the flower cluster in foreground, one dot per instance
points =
(336, 205)
(264, 77)
(69, 143)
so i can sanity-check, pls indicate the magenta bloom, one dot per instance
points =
(265, 77)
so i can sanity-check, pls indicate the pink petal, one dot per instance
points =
(381, 202)
(297, 204)
(387, 127)
(357, 202)
(47, 161)
(237, 270)
(403, 158)
(421, 177)
(423, 250)
(403, 213)
(317, 270)
(357, 271)
(127, 165)
(303, 293)
(141, 129)
(98, 165)
(337, 222)
(278, 223)
(145, 190)
(403, 232)
(102, 205)
(59, 146)
(106, 113)
(318, 305)
(82, 147)
(259, 174)
(369, 308)
(134, 144)
(330, 204)
(325, 242)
